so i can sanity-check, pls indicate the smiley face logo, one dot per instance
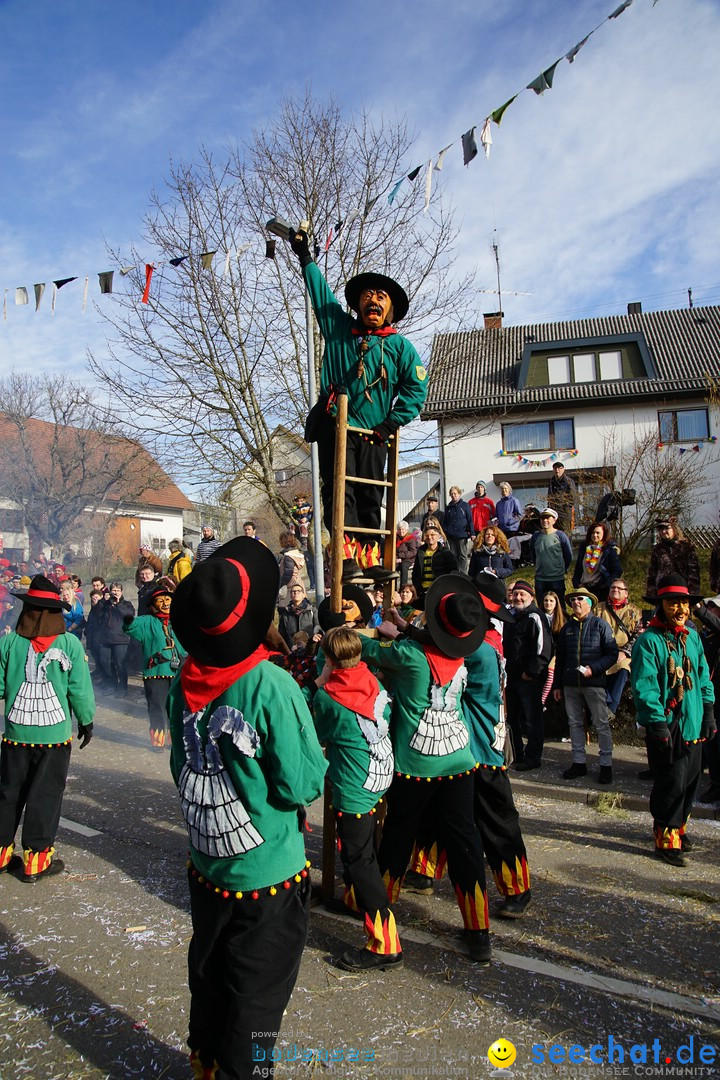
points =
(501, 1054)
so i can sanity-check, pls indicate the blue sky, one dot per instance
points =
(602, 191)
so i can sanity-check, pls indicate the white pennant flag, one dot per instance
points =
(39, 290)
(21, 295)
(441, 157)
(428, 185)
(85, 293)
(5, 306)
(486, 137)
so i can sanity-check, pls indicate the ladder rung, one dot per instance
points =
(360, 430)
(373, 532)
(366, 480)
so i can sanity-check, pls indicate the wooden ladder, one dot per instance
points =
(339, 527)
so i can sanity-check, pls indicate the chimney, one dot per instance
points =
(493, 320)
(635, 308)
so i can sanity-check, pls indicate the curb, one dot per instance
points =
(624, 800)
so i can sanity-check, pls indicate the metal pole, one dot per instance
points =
(314, 464)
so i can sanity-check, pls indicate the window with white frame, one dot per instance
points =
(538, 435)
(683, 425)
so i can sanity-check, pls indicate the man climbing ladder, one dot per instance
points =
(385, 382)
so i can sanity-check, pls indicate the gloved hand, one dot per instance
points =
(708, 728)
(659, 748)
(658, 733)
(301, 246)
(385, 431)
(85, 734)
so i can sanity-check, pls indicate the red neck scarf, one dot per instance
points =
(442, 667)
(356, 688)
(360, 330)
(616, 605)
(42, 644)
(659, 624)
(202, 683)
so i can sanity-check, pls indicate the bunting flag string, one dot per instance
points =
(522, 459)
(539, 85)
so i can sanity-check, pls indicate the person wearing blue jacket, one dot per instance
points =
(458, 528)
(508, 510)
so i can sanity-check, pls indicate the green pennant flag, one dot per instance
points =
(497, 115)
(544, 81)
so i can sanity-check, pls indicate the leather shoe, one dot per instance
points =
(479, 947)
(418, 883)
(514, 907)
(364, 960)
(14, 864)
(605, 776)
(574, 771)
(673, 856)
(56, 867)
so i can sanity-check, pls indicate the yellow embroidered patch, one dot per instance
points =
(420, 372)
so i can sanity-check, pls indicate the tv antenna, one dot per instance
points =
(498, 292)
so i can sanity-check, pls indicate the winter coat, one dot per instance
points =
(498, 561)
(587, 642)
(508, 512)
(607, 569)
(650, 682)
(443, 562)
(292, 620)
(630, 616)
(292, 563)
(179, 566)
(406, 549)
(527, 643)
(111, 621)
(482, 510)
(673, 557)
(205, 548)
(458, 522)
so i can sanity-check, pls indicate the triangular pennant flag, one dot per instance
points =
(106, 281)
(206, 259)
(85, 293)
(428, 185)
(619, 10)
(57, 285)
(486, 137)
(328, 242)
(497, 115)
(5, 306)
(395, 190)
(576, 48)
(414, 174)
(544, 81)
(39, 290)
(441, 157)
(178, 259)
(469, 146)
(125, 270)
(269, 249)
(682, 449)
(226, 267)
(696, 448)
(369, 205)
(21, 295)
(149, 267)
(338, 226)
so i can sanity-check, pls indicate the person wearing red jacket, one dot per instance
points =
(482, 507)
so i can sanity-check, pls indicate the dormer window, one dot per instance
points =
(571, 363)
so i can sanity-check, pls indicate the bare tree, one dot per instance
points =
(224, 352)
(666, 481)
(61, 456)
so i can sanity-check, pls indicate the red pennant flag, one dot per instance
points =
(149, 267)
(328, 242)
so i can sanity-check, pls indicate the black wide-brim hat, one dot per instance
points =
(328, 618)
(672, 587)
(370, 280)
(493, 595)
(456, 617)
(222, 610)
(44, 594)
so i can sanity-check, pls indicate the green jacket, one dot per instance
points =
(148, 630)
(244, 766)
(481, 702)
(359, 752)
(43, 691)
(429, 734)
(650, 682)
(407, 378)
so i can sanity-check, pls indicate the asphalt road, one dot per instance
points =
(618, 951)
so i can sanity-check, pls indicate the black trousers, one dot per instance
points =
(673, 793)
(498, 823)
(362, 501)
(524, 710)
(156, 695)
(113, 664)
(32, 778)
(243, 962)
(449, 803)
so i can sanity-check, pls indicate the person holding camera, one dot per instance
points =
(162, 655)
